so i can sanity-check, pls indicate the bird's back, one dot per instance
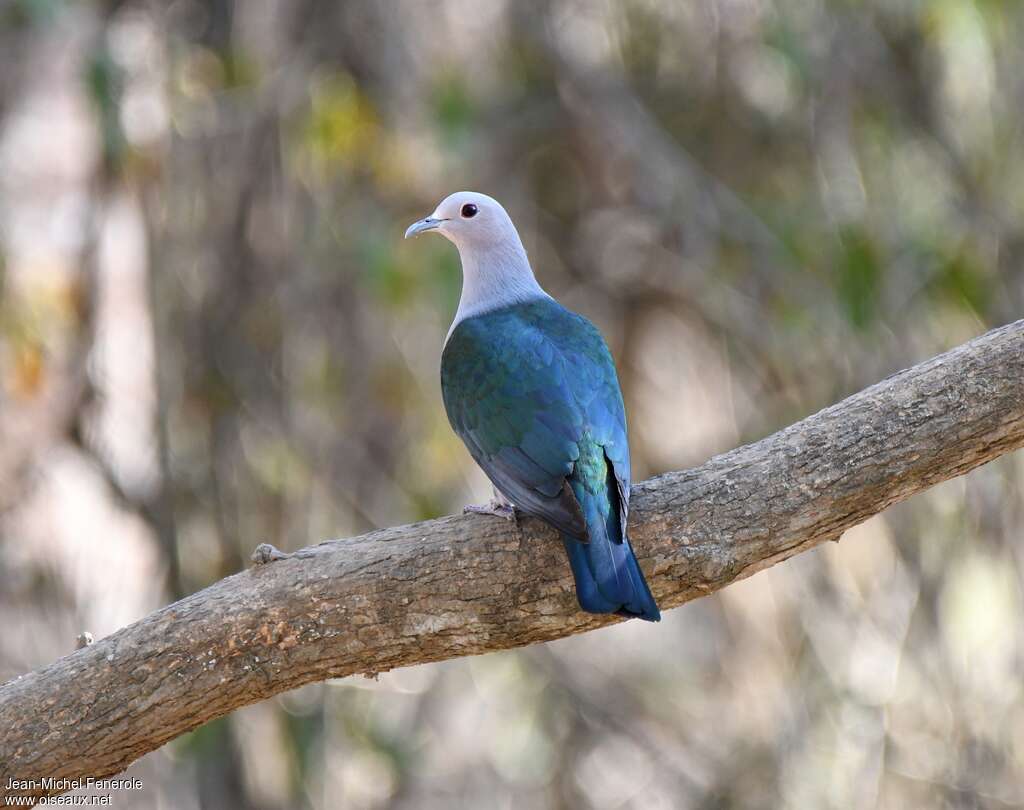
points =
(535, 371)
(532, 391)
(539, 335)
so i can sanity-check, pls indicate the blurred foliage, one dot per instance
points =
(213, 335)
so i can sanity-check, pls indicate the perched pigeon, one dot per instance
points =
(531, 390)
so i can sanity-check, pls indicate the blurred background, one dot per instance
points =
(212, 335)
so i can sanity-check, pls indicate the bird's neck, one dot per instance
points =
(493, 279)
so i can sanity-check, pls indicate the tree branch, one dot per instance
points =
(467, 585)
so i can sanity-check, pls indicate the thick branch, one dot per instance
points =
(466, 585)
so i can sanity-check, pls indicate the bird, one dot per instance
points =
(531, 389)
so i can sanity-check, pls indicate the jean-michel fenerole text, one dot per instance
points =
(49, 783)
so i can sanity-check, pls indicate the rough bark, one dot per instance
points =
(469, 584)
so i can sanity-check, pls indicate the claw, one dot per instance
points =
(266, 553)
(493, 507)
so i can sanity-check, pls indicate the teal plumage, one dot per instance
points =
(531, 389)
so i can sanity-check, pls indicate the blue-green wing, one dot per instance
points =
(524, 388)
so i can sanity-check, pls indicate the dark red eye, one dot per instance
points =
(469, 210)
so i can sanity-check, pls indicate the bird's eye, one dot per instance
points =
(469, 211)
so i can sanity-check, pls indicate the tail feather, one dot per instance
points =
(608, 578)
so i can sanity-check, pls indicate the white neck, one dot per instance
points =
(494, 277)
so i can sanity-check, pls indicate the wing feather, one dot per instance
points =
(522, 387)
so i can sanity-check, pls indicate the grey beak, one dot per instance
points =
(423, 225)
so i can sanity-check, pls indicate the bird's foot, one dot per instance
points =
(266, 553)
(495, 507)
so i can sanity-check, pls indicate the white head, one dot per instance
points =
(469, 220)
(495, 269)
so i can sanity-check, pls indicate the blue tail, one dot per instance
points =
(608, 578)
